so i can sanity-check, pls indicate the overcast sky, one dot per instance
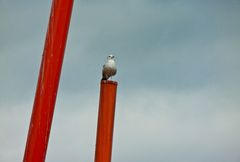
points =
(178, 73)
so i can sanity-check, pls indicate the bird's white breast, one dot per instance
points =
(109, 69)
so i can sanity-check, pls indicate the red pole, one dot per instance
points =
(48, 80)
(105, 121)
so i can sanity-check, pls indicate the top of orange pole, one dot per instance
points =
(109, 82)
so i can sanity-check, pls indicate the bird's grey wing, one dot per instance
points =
(114, 72)
(104, 72)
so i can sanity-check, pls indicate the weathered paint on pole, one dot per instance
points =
(108, 91)
(48, 81)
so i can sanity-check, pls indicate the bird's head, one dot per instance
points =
(110, 57)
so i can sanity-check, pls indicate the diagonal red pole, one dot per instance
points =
(48, 80)
(108, 92)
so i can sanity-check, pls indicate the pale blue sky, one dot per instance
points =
(178, 74)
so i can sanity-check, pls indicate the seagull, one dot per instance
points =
(109, 68)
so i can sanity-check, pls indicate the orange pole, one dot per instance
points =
(48, 80)
(105, 125)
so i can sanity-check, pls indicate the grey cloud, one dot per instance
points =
(173, 40)
(174, 43)
(165, 126)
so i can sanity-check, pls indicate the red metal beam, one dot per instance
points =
(105, 126)
(48, 80)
